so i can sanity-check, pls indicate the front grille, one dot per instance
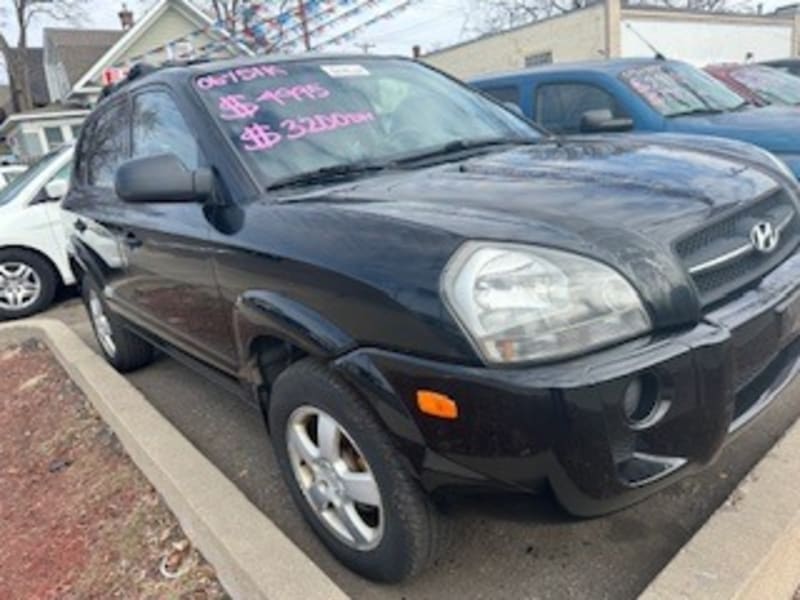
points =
(722, 251)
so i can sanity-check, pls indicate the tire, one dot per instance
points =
(124, 350)
(28, 283)
(410, 530)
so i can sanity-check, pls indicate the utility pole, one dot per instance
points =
(365, 46)
(301, 13)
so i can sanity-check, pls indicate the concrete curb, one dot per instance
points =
(750, 548)
(253, 558)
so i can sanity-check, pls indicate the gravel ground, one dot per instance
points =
(77, 519)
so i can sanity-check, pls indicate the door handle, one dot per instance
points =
(131, 241)
(80, 225)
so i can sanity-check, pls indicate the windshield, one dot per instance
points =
(679, 89)
(771, 85)
(8, 193)
(299, 117)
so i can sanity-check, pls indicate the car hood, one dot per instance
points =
(635, 187)
(619, 201)
(775, 128)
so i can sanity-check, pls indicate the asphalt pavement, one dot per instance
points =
(504, 546)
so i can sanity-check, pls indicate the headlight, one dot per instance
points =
(522, 303)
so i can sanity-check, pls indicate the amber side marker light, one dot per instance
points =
(437, 405)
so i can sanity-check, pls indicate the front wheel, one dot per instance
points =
(347, 478)
(28, 283)
(124, 350)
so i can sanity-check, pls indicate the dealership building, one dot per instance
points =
(616, 29)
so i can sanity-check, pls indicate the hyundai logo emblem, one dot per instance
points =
(764, 237)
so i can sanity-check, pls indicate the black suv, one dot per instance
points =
(424, 293)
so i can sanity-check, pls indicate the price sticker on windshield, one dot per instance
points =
(345, 70)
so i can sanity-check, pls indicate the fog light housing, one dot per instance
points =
(642, 405)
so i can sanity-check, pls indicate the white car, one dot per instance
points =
(9, 173)
(33, 253)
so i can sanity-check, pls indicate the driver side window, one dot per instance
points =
(561, 106)
(159, 128)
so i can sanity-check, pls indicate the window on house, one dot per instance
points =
(108, 147)
(76, 131)
(54, 137)
(542, 58)
(159, 128)
(30, 145)
(508, 93)
(561, 106)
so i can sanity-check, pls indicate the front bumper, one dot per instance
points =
(563, 424)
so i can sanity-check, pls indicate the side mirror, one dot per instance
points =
(514, 107)
(161, 178)
(602, 121)
(56, 189)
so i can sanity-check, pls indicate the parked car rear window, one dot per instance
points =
(770, 84)
(296, 117)
(680, 89)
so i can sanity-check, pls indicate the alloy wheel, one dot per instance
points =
(20, 286)
(102, 326)
(335, 478)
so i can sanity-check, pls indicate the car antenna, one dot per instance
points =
(656, 51)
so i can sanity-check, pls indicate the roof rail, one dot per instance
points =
(137, 71)
(141, 69)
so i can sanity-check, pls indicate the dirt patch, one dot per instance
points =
(77, 519)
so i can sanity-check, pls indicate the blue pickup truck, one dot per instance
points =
(644, 95)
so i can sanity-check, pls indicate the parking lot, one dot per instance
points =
(503, 546)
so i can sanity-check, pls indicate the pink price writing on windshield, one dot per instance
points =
(258, 137)
(215, 80)
(295, 93)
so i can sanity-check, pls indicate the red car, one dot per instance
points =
(759, 84)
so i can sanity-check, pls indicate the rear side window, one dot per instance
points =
(507, 93)
(561, 106)
(159, 128)
(105, 146)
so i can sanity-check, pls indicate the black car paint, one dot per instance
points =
(351, 272)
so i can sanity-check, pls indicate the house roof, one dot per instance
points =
(34, 64)
(79, 49)
(117, 51)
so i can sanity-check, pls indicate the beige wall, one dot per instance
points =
(578, 36)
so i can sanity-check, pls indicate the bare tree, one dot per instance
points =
(237, 17)
(489, 16)
(23, 13)
(743, 6)
(227, 12)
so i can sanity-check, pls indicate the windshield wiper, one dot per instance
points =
(698, 111)
(326, 174)
(457, 146)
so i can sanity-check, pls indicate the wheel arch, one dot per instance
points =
(273, 331)
(60, 282)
